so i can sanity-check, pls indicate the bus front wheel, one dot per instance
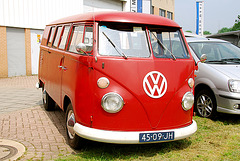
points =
(73, 139)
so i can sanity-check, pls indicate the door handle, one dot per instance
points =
(62, 67)
(61, 64)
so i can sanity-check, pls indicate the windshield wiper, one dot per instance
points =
(235, 60)
(164, 47)
(216, 61)
(116, 47)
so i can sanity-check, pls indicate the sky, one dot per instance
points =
(217, 14)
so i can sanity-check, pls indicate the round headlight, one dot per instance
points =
(187, 101)
(191, 82)
(112, 102)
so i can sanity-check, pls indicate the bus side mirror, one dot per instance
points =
(81, 48)
(202, 60)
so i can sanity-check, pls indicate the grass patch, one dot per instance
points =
(217, 139)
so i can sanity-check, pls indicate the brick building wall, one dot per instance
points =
(167, 6)
(28, 51)
(3, 52)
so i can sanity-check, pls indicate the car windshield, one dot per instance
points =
(123, 40)
(167, 43)
(217, 52)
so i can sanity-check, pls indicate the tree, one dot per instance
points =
(206, 33)
(235, 27)
(189, 31)
(225, 29)
(237, 20)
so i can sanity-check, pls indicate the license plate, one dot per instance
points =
(157, 136)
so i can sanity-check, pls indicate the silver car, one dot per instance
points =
(217, 81)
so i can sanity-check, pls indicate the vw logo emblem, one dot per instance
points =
(155, 84)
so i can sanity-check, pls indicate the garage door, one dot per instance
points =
(16, 52)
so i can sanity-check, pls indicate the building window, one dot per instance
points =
(152, 10)
(170, 15)
(162, 12)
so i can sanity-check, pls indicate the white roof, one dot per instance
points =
(203, 39)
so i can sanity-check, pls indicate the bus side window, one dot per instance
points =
(88, 38)
(57, 37)
(76, 38)
(50, 39)
(64, 37)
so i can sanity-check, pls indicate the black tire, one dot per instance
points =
(205, 104)
(74, 140)
(48, 102)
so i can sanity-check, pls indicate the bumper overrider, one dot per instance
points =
(120, 137)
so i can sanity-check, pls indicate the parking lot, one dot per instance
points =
(24, 120)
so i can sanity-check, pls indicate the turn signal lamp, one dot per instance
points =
(191, 82)
(103, 82)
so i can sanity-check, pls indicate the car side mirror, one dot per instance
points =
(203, 58)
(81, 48)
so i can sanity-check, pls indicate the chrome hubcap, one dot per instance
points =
(70, 124)
(204, 105)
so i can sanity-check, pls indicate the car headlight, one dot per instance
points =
(112, 102)
(234, 85)
(187, 101)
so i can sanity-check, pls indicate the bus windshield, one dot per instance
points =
(128, 40)
(167, 44)
(123, 40)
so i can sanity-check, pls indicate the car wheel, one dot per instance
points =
(205, 104)
(48, 102)
(73, 139)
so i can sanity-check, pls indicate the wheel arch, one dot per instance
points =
(66, 102)
(202, 86)
(41, 84)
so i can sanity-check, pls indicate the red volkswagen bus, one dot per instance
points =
(120, 77)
